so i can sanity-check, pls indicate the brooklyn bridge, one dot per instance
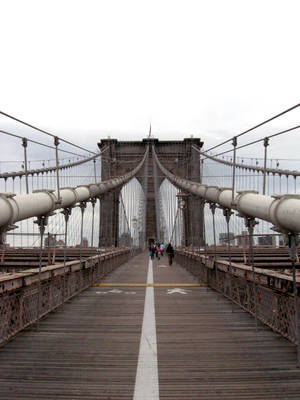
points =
(86, 313)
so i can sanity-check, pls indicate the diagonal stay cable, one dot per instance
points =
(256, 126)
(41, 144)
(49, 169)
(250, 143)
(43, 131)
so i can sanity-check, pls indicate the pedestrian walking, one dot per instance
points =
(157, 247)
(162, 248)
(170, 253)
(152, 251)
(158, 253)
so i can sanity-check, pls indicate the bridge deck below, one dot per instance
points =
(206, 348)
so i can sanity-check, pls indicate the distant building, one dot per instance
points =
(50, 241)
(265, 240)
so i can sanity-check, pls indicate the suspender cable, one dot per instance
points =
(234, 143)
(266, 144)
(213, 211)
(93, 201)
(24, 143)
(250, 224)
(227, 213)
(56, 143)
(82, 208)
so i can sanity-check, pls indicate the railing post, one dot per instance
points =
(82, 206)
(227, 213)
(66, 212)
(42, 222)
(213, 207)
(250, 224)
(205, 245)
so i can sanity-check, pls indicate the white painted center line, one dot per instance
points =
(146, 381)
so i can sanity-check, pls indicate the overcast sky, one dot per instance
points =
(87, 69)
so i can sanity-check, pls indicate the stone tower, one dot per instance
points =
(179, 157)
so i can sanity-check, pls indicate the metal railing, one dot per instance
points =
(272, 300)
(20, 295)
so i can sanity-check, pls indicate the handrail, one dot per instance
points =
(273, 171)
(37, 171)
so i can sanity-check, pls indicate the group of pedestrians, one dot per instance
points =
(157, 249)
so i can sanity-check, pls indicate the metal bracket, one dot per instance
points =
(56, 141)
(67, 212)
(250, 223)
(212, 207)
(82, 206)
(93, 201)
(42, 222)
(266, 141)
(227, 214)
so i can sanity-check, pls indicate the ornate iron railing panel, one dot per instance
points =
(19, 294)
(275, 306)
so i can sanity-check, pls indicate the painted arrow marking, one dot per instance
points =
(176, 290)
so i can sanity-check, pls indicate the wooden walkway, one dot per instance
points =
(206, 348)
